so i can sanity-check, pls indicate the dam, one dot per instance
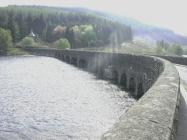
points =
(153, 81)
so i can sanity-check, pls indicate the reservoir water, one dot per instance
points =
(42, 98)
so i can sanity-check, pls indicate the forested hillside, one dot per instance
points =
(148, 33)
(51, 24)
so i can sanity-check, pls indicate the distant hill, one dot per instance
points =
(77, 16)
(151, 32)
(141, 30)
(81, 28)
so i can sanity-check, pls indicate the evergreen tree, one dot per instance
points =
(20, 20)
(5, 41)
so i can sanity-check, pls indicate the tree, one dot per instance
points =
(62, 43)
(15, 32)
(160, 50)
(83, 30)
(28, 42)
(76, 36)
(163, 48)
(23, 28)
(176, 49)
(5, 41)
(59, 32)
(70, 35)
(88, 36)
(44, 33)
(39, 25)
(163, 44)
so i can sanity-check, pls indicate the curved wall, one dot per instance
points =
(134, 73)
(154, 116)
(175, 59)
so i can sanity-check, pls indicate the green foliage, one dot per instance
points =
(16, 51)
(28, 42)
(62, 43)
(5, 41)
(160, 50)
(82, 30)
(84, 36)
(163, 44)
(176, 49)
(165, 48)
(184, 50)
(88, 36)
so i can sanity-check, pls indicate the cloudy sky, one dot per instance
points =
(165, 13)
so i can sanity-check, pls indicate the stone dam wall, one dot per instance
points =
(175, 59)
(155, 80)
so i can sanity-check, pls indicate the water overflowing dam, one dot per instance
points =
(44, 98)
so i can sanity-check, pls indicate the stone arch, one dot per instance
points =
(56, 54)
(140, 91)
(132, 85)
(74, 61)
(50, 54)
(83, 63)
(115, 76)
(67, 58)
(123, 80)
(62, 57)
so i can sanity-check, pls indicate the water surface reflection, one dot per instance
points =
(44, 98)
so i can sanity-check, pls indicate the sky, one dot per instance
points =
(170, 14)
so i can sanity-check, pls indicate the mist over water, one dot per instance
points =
(44, 98)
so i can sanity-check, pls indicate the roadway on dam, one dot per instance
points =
(182, 125)
(44, 98)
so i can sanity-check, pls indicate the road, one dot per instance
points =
(182, 126)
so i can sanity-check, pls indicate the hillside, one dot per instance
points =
(50, 24)
(153, 33)
(141, 30)
(43, 20)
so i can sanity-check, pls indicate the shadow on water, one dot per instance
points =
(102, 77)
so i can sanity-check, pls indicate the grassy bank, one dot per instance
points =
(16, 51)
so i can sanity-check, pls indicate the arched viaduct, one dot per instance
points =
(155, 80)
(133, 73)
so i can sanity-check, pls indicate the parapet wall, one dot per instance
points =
(133, 73)
(155, 80)
(155, 115)
(175, 59)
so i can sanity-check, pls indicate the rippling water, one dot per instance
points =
(44, 98)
